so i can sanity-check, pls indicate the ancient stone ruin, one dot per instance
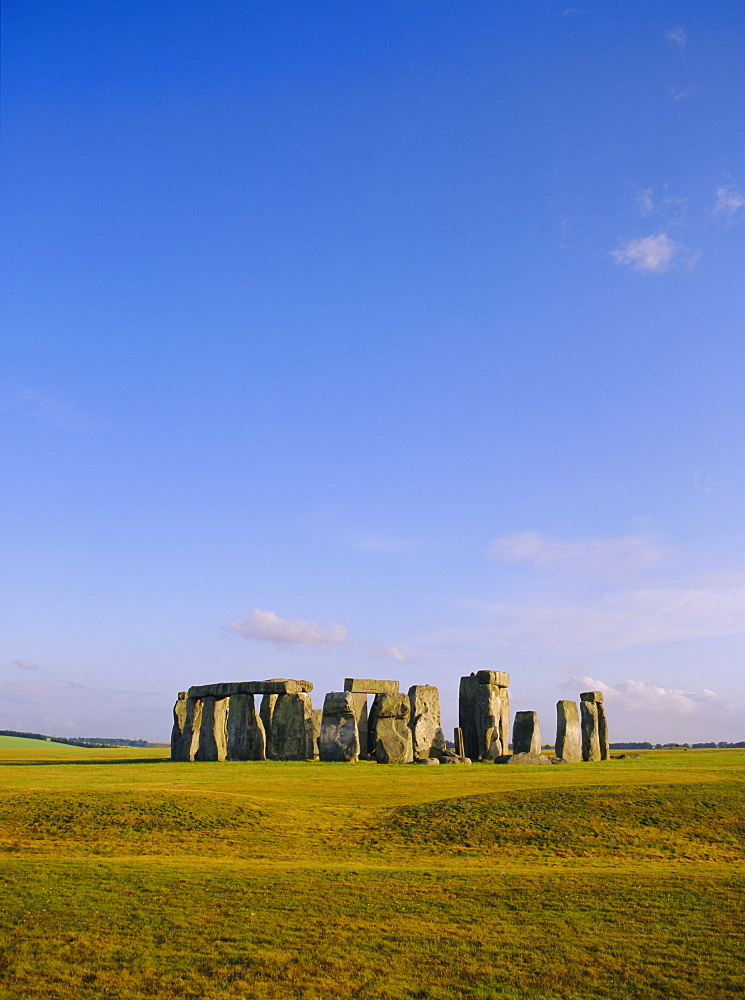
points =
(215, 722)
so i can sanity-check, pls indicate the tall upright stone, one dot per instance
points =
(428, 738)
(339, 739)
(315, 731)
(192, 729)
(179, 722)
(290, 720)
(568, 735)
(266, 710)
(603, 731)
(526, 733)
(213, 732)
(359, 700)
(589, 703)
(484, 713)
(246, 737)
(393, 743)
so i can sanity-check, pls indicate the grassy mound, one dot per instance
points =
(701, 821)
(123, 820)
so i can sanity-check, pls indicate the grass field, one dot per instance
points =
(127, 876)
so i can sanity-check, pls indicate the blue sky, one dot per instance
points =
(375, 339)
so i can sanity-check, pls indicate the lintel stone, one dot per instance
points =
(225, 690)
(498, 677)
(357, 686)
(596, 696)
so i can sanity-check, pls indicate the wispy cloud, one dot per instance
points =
(677, 36)
(645, 201)
(650, 253)
(729, 201)
(382, 652)
(42, 403)
(619, 621)
(25, 665)
(267, 626)
(589, 556)
(680, 93)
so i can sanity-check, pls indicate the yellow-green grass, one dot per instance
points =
(22, 743)
(127, 876)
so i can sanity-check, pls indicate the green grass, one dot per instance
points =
(126, 876)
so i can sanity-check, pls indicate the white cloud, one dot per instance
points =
(267, 626)
(729, 201)
(651, 699)
(387, 652)
(680, 93)
(593, 556)
(26, 664)
(650, 253)
(621, 620)
(677, 36)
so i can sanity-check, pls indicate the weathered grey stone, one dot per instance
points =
(393, 741)
(268, 701)
(315, 730)
(192, 729)
(568, 735)
(528, 758)
(276, 685)
(596, 696)
(458, 741)
(339, 739)
(179, 721)
(483, 714)
(603, 744)
(358, 686)
(246, 737)
(426, 760)
(427, 736)
(559, 760)
(498, 677)
(590, 734)
(359, 700)
(526, 734)
(213, 732)
(288, 737)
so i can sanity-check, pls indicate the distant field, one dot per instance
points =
(127, 876)
(41, 746)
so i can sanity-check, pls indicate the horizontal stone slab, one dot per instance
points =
(357, 686)
(228, 688)
(498, 677)
(595, 696)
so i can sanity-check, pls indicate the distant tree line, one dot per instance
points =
(93, 741)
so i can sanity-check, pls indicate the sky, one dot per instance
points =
(373, 338)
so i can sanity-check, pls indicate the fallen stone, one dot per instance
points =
(526, 734)
(568, 733)
(246, 736)
(528, 758)
(339, 738)
(426, 760)
(628, 756)
(559, 760)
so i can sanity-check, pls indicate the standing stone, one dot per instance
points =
(427, 736)
(246, 737)
(266, 711)
(288, 736)
(213, 732)
(359, 700)
(179, 721)
(314, 724)
(458, 742)
(603, 732)
(339, 739)
(393, 743)
(484, 713)
(526, 734)
(192, 729)
(590, 728)
(568, 736)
